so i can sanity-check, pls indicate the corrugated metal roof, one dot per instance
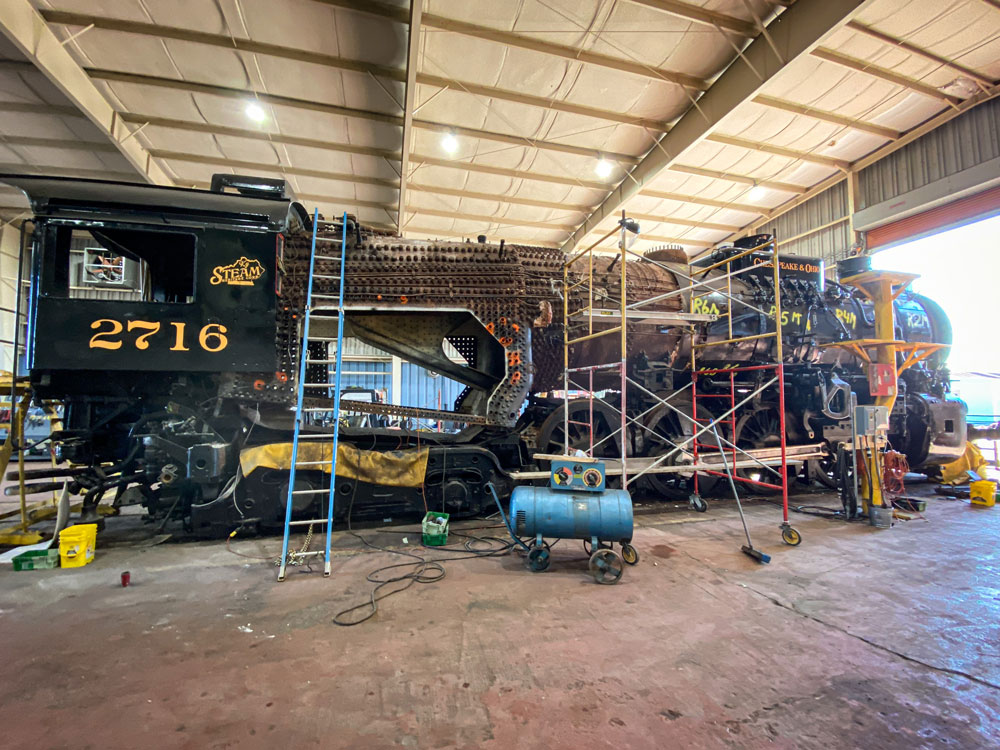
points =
(534, 95)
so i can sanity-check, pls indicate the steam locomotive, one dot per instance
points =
(164, 392)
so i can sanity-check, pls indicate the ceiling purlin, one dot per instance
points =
(796, 32)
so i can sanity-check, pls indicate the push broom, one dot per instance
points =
(748, 548)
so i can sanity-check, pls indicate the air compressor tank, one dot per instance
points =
(606, 516)
(576, 505)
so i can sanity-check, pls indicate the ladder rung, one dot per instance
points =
(321, 436)
(311, 553)
(313, 463)
(328, 239)
(325, 276)
(306, 523)
(322, 338)
(309, 492)
(317, 409)
(321, 361)
(325, 296)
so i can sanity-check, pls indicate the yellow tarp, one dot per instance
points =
(392, 468)
(954, 473)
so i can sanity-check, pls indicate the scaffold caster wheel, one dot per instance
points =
(538, 559)
(697, 503)
(606, 566)
(629, 554)
(790, 536)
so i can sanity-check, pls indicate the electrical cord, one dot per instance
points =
(894, 470)
(421, 569)
(424, 570)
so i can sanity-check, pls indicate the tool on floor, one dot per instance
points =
(748, 548)
(576, 505)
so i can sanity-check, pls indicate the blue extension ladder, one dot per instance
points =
(300, 412)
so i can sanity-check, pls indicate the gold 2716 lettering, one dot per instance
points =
(212, 336)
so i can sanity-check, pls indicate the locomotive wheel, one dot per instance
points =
(606, 566)
(665, 429)
(629, 554)
(606, 420)
(551, 435)
(760, 428)
(824, 470)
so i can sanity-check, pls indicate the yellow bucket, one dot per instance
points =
(77, 545)
(983, 492)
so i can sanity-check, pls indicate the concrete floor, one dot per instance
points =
(857, 638)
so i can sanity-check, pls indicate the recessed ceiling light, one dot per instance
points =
(449, 143)
(255, 112)
(603, 168)
(757, 193)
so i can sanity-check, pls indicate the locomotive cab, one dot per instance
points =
(141, 297)
(162, 280)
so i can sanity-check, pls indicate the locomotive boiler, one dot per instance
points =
(166, 390)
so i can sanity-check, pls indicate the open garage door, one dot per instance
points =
(963, 211)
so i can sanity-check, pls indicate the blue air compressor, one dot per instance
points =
(576, 505)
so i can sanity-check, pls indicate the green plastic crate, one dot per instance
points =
(37, 559)
(435, 534)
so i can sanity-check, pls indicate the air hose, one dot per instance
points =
(506, 521)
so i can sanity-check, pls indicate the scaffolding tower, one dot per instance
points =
(702, 451)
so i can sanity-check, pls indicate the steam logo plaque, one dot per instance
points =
(243, 272)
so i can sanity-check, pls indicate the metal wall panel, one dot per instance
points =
(829, 244)
(368, 367)
(970, 139)
(421, 388)
(357, 348)
(377, 375)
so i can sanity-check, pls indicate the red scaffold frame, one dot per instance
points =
(730, 420)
